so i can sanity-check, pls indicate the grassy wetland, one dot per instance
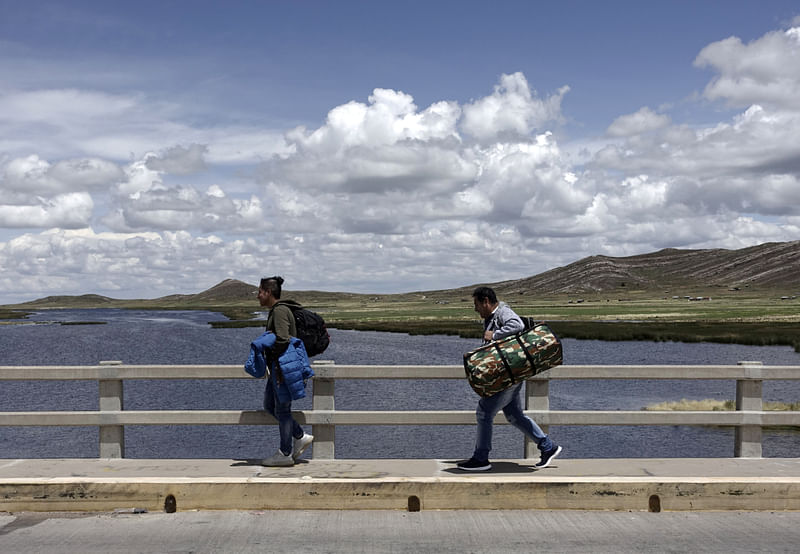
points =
(14, 315)
(765, 317)
(747, 296)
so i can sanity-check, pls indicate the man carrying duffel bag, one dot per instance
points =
(500, 321)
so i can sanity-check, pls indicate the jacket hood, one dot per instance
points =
(289, 303)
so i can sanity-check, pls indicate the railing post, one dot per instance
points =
(112, 437)
(748, 398)
(323, 399)
(537, 397)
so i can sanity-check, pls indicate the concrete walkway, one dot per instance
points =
(768, 484)
(396, 532)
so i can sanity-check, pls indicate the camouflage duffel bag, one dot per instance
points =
(494, 367)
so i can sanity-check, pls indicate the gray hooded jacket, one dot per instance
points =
(504, 322)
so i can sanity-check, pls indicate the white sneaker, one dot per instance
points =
(301, 444)
(279, 459)
(548, 457)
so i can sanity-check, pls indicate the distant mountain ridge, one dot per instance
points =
(769, 265)
(225, 291)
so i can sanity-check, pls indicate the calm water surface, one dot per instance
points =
(184, 337)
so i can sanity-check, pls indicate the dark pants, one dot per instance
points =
(508, 401)
(282, 411)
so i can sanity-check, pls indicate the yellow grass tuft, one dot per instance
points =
(710, 405)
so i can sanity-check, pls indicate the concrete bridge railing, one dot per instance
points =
(748, 419)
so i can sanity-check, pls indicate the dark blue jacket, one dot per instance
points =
(294, 365)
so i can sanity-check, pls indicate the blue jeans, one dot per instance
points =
(508, 401)
(282, 411)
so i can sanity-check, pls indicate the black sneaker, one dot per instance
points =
(475, 465)
(549, 456)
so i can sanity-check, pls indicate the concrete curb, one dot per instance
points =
(643, 485)
(412, 495)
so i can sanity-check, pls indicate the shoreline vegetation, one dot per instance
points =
(747, 333)
(747, 314)
(748, 296)
(762, 320)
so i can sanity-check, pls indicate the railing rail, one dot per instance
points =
(111, 417)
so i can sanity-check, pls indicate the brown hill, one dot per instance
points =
(226, 292)
(82, 301)
(766, 266)
(770, 265)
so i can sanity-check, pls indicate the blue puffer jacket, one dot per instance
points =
(294, 365)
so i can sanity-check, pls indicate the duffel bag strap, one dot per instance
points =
(527, 354)
(505, 362)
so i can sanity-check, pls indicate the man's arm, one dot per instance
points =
(508, 323)
(283, 320)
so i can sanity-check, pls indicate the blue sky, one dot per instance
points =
(151, 148)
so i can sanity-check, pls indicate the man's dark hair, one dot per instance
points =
(485, 293)
(272, 285)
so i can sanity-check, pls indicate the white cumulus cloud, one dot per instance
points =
(513, 109)
(143, 201)
(765, 71)
(179, 160)
(34, 176)
(70, 211)
(640, 122)
(387, 195)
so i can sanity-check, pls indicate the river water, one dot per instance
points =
(184, 337)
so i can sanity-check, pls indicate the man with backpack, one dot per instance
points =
(277, 396)
(499, 322)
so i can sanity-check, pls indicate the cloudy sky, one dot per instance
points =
(151, 148)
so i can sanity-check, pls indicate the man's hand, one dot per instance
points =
(488, 335)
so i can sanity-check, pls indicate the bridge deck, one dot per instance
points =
(638, 484)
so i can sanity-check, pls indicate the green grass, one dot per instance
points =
(760, 320)
(753, 333)
(13, 314)
(753, 317)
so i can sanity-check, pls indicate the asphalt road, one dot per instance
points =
(400, 532)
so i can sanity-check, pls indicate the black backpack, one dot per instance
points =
(310, 329)
(528, 322)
